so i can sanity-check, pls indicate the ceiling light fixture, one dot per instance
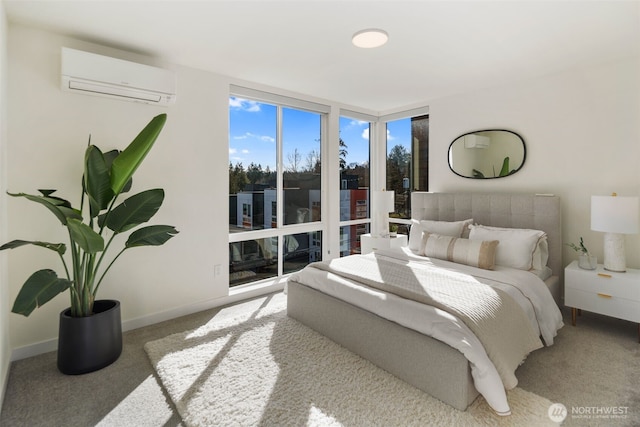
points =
(371, 37)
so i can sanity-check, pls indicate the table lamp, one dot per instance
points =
(384, 203)
(615, 216)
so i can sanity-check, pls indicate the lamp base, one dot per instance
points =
(614, 256)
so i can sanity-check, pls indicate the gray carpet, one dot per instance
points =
(592, 367)
(271, 370)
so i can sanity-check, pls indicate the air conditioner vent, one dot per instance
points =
(92, 74)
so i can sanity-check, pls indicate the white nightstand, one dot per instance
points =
(604, 292)
(368, 243)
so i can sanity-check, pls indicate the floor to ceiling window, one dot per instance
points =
(407, 165)
(275, 175)
(354, 161)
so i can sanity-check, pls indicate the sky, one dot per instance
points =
(252, 135)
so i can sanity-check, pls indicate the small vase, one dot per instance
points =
(588, 262)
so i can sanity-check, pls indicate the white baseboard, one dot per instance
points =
(3, 382)
(235, 294)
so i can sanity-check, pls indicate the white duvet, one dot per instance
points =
(528, 290)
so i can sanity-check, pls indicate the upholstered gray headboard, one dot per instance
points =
(539, 212)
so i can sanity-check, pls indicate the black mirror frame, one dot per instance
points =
(524, 152)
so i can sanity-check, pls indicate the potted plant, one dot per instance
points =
(90, 335)
(585, 259)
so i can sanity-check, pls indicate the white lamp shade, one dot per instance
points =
(388, 201)
(614, 214)
(383, 203)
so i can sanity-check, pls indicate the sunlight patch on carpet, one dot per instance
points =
(137, 403)
(265, 368)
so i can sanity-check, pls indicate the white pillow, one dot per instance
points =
(517, 245)
(476, 253)
(444, 228)
(541, 254)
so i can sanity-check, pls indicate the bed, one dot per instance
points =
(431, 359)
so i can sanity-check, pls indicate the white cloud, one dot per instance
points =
(389, 136)
(267, 138)
(244, 104)
(232, 151)
(250, 135)
(365, 134)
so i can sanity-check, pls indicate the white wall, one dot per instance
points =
(571, 124)
(48, 133)
(48, 130)
(582, 133)
(5, 349)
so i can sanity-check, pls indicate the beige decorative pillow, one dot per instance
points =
(476, 253)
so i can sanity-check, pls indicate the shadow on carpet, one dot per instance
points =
(266, 369)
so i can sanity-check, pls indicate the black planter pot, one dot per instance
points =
(87, 344)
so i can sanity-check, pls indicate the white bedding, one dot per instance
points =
(528, 290)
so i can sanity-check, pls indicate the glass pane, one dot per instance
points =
(354, 153)
(252, 164)
(350, 238)
(354, 169)
(420, 150)
(252, 260)
(399, 165)
(399, 228)
(302, 166)
(301, 249)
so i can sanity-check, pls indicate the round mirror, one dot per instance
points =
(487, 154)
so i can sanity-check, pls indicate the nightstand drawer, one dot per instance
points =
(603, 303)
(602, 282)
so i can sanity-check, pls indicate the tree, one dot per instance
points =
(361, 171)
(254, 173)
(269, 177)
(343, 154)
(237, 178)
(313, 161)
(398, 162)
(294, 159)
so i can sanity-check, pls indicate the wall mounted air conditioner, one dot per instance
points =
(476, 141)
(92, 74)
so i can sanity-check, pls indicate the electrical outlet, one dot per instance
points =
(216, 269)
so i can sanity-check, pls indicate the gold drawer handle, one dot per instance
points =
(608, 276)
(604, 295)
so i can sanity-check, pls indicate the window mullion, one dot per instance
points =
(280, 187)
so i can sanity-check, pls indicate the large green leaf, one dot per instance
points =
(504, 171)
(61, 248)
(90, 241)
(109, 157)
(59, 207)
(136, 210)
(127, 162)
(97, 182)
(39, 288)
(59, 201)
(153, 235)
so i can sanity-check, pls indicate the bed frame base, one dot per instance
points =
(428, 364)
